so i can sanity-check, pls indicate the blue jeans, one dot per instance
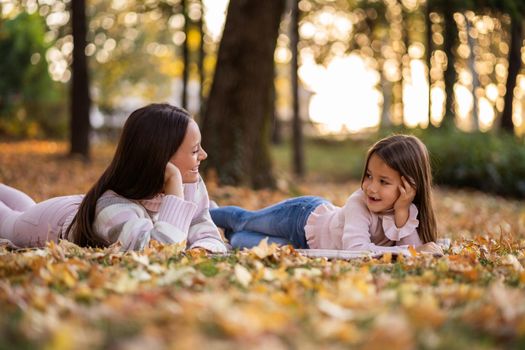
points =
(282, 223)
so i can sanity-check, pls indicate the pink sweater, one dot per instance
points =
(354, 227)
(165, 218)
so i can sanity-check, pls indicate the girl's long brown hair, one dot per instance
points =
(150, 137)
(409, 156)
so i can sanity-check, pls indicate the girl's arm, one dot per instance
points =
(120, 219)
(202, 232)
(358, 223)
(407, 193)
(406, 234)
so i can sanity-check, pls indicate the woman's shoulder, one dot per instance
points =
(110, 194)
(197, 184)
(195, 189)
(110, 197)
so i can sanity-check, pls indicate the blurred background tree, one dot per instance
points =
(30, 102)
(80, 125)
(342, 69)
(236, 124)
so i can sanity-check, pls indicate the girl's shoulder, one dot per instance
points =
(356, 203)
(358, 196)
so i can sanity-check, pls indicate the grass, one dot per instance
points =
(325, 159)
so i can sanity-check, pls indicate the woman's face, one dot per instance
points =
(190, 154)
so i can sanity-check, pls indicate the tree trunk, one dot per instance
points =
(450, 73)
(236, 123)
(277, 130)
(201, 61)
(514, 68)
(298, 145)
(475, 77)
(80, 100)
(404, 63)
(428, 56)
(185, 56)
(386, 89)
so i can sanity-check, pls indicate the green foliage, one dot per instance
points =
(490, 162)
(31, 104)
(493, 163)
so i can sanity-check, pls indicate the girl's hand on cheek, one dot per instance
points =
(407, 193)
(173, 181)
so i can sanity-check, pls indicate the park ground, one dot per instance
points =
(65, 297)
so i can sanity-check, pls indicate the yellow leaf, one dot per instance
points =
(335, 311)
(511, 260)
(264, 250)
(242, 275)
(63, 339)
(412, 250)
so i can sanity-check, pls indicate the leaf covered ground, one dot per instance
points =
(66, 297)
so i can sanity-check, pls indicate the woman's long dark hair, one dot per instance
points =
(409, 156)
(150, 137)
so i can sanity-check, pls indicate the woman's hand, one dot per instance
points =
(173, 181)
(431, 248)
(407, 193)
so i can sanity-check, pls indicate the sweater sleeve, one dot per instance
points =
(202, 232)
(407, 234)
(122, 220)
(357, 227)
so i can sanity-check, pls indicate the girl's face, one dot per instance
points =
(381, 185)
(190, 154)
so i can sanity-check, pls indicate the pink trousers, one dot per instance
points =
(29, 224)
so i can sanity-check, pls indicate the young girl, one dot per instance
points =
(391, 210)
(150, 190)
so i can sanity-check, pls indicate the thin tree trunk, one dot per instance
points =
(405, 58)
(514, 68)
(277, 137)
(298, 147)
(185, 56)
(475, 77)
(80, 99)
(450, 73)
(236, 125)
(428, 56)
(201, 61)
(386, 88)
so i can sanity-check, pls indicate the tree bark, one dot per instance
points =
(185, 56)
(80, 99)
(514, 68)
(200, 62)
(276, 124)
(475, 77)
(451, 34)
(386, 89)
(236, 123)
(297, 125)
(428, 57)
(404, 59)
